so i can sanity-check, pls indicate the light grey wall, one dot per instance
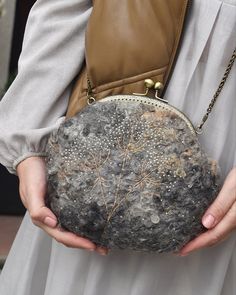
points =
(6, 30)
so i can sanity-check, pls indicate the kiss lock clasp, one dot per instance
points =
(149, 84)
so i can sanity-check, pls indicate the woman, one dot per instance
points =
(52, 55)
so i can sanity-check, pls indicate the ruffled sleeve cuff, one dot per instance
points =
(22, 145)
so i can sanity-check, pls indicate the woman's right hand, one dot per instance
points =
(33, 189)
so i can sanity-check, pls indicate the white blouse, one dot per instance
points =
(52, 55)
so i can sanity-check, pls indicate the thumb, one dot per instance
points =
(43, 215)
(33, 188)
(39, 212)
(223, 202)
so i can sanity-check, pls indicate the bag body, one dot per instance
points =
(126, 169)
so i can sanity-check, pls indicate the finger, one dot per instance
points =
(102, 250)
(39, 213)
(98, 249)
(69, 239)
(222, 203)
(213, 236)
(33, 186)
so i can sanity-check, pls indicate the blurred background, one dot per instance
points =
(13, 17)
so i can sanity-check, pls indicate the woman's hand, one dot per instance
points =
(219, 219)
(33, 184)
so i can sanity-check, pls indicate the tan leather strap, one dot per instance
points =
(126, 42)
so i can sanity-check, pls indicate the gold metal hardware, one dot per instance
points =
(149, 83)
(90, 98)
(198, 129)
(158, 87)
(217, 93)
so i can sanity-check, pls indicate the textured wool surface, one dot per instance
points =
(130, 175)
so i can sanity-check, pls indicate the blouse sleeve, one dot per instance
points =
(36, 102)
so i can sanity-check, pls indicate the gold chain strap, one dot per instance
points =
(218, 91)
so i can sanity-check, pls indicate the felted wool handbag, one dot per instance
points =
(126, 169)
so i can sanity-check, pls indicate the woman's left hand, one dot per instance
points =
(219, 219)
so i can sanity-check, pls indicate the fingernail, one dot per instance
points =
(50, 222)
(183, 254)
(176, 253)
(102, 252)
(208, 221)
(91, 250)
